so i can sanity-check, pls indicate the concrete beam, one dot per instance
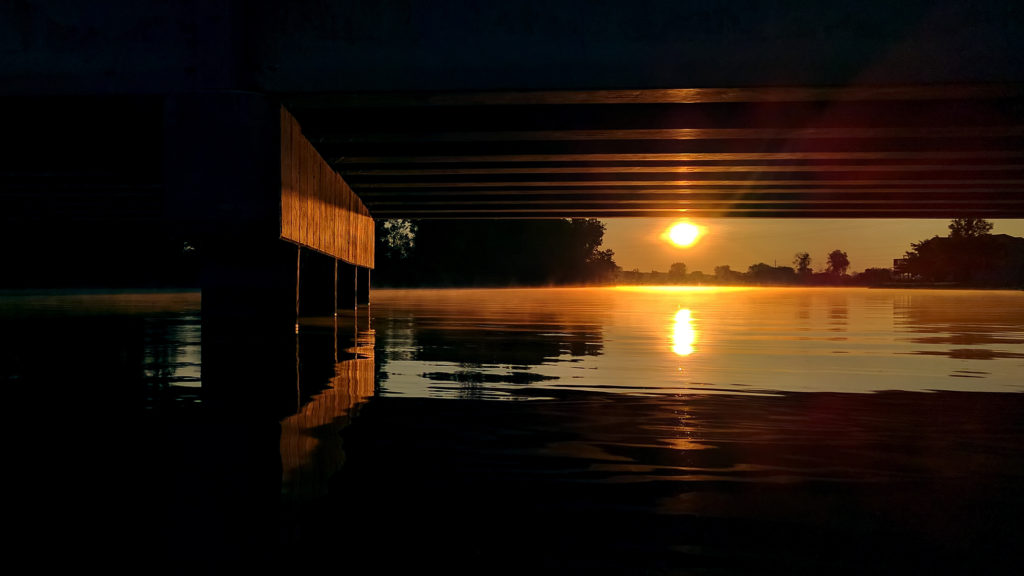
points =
(581, 44)
(151, 46)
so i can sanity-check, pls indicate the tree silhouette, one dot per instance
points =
(968, 255)
(838, 262)
(396, 237)
(874, 276)
(960, 228)
(762, 273)
(492, 252)
(601, 266)
(677, 270)
(802, 262)
(725, 275)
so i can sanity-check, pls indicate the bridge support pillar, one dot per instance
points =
(347, 283)
(317, 280)
(362, 286)
(353, 286)
(222, 171)
(272, 222)
(223, 174)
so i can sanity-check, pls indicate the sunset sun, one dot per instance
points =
(683, 234)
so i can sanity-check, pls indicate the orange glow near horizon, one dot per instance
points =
(683, 234)
(671, 289)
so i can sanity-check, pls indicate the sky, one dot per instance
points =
(740, 242)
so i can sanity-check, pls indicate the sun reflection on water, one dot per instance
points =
(684, 335)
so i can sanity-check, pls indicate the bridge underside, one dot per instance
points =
(919, 152)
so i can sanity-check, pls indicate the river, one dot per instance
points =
(561, 430)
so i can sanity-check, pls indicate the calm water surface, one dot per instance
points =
(699, 340)
(626, 431)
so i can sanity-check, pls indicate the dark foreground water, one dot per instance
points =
(529, 431)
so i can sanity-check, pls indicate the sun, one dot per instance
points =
(682, 234)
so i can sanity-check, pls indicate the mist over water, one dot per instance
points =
(690, 430)
(699, 340)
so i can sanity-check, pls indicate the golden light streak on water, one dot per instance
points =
(684, 335)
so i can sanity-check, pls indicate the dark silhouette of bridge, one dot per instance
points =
(894, 151)
(244, 124)
(269, 134)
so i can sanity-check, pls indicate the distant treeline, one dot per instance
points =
(492, 253)
(759, 274)
(568, 251)
(969, 256)
(507, 253)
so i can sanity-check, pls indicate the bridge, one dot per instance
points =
(276, 131)
(892, 151)
(271, 132)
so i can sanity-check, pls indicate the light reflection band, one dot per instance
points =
(684, 335)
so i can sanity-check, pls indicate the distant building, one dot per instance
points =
(899, 268)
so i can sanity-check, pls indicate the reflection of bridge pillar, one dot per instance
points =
(222, 166)
(242, 180)
(316, 280)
